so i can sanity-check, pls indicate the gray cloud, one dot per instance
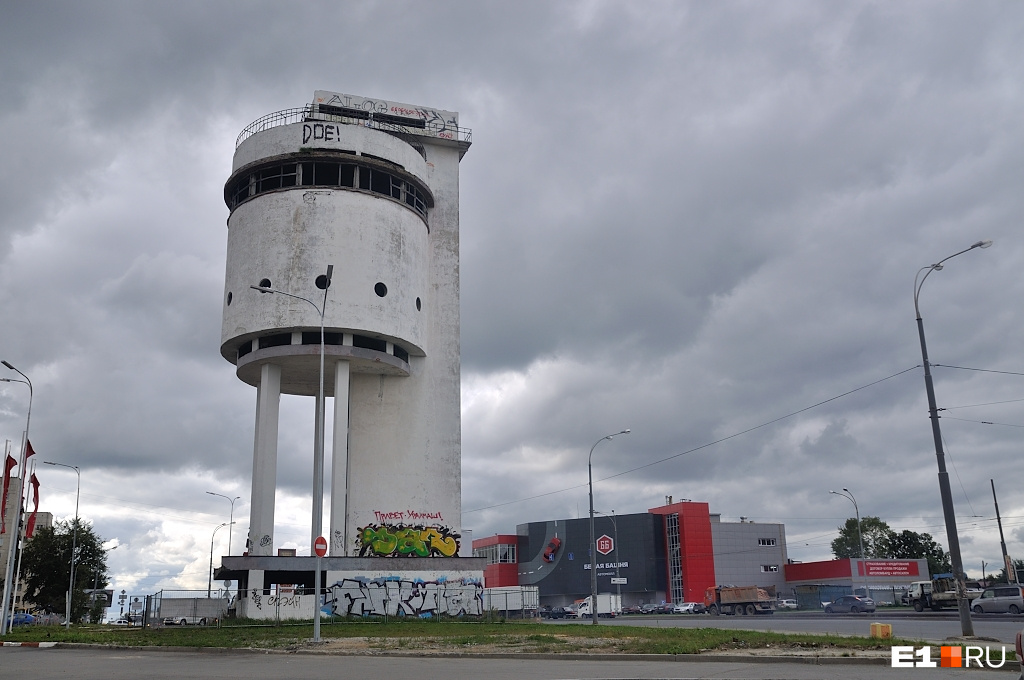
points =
(689, 219)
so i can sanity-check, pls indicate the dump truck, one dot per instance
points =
(938, 593)
(739, 600)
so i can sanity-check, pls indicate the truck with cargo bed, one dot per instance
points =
(739, 600)
(938, 593)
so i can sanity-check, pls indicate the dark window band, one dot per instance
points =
(347, 174)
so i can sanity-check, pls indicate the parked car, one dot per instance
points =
(184, 620)
(999, 599)
(635, 609)
(21, 619)
(650, 608)
(682, 608)
(850, 604)
(121, 622)
(559, 613)
(786, 604)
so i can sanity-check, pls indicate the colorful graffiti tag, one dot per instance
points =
(399, 540)
(396, 597)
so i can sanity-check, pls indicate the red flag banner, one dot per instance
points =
(30, 528)
(28, 450)
(8, 466)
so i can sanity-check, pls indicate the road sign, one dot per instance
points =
(616, 581)
(320, 546)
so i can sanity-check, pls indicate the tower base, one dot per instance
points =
(277, 588)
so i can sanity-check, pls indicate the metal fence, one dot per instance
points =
(307, 113)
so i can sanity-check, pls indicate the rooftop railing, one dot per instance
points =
(305, 113)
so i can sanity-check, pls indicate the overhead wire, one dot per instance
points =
(702, 446)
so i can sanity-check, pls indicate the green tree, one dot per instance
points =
(877, 539)
(910, 545)
(1018, 566)
(46, 563)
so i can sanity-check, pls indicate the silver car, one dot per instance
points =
(851, 604)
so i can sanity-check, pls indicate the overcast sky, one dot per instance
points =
(697, 220)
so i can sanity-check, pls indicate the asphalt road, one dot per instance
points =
(103, 664)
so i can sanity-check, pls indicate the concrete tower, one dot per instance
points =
(372, 188)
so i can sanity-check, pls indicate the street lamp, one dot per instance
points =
(323, 282)
(966, 625)
(209, 584)
(849, 496)
(593, 544)
(8, 595)
(74, 541)
(231, 517)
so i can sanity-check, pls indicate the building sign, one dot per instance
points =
(888, 568)
(605, 544)
(409, 118)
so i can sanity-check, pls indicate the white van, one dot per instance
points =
(999, 599)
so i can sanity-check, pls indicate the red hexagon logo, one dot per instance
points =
(605, 544)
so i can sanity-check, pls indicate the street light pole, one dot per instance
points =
(8, 594)
(231, 516)
(209, 584)
(593, 544)
(849, 496)
(323, 281)
(74, 541)
(966, 625)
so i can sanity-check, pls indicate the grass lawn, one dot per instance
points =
(447, 636)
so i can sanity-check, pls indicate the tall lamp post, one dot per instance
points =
(966, 625)
(8, 594)
(231, 516)
(323, 282)
(209, 584)
(74, 541)
(593, 545)
(849, 496)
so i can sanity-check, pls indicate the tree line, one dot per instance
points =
(882, 543)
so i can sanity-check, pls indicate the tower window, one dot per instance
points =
(328, 173)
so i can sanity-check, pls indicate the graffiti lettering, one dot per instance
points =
(394, 597)
(320, 131)
(256, 598)
(290, 601)
(346, 102)
(414, 515)
(407, 541)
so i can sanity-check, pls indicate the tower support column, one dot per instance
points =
(264, 461)
(339, 462)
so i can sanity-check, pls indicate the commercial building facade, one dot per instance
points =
(669, 554)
